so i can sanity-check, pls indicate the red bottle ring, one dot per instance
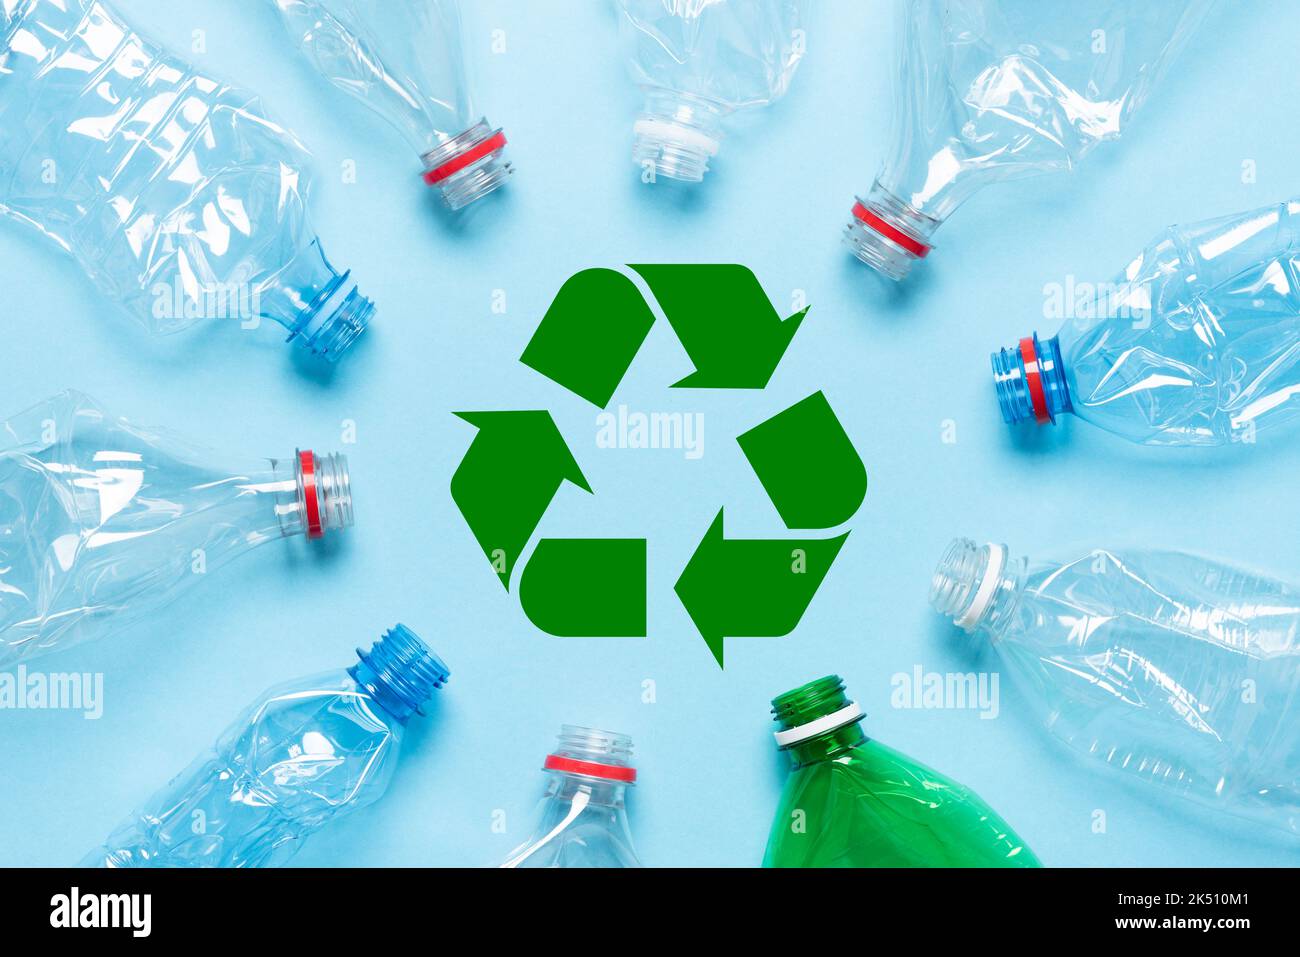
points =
(1034, 380)
(611, 772)
(917, 249)
(471, 155)
(307, 466)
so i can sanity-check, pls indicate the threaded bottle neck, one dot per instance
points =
(468, 166)
(976, 586)
(321, 307)
(676, 135)
(400, 672)
(600, 756)
(888, 233)
(1031, 381)
(593, 744)
(817, 721)
(316, 497)
(593, 764)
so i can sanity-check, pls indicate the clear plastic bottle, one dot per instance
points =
(1170, 668)
(1193, 344)
(173, 191)
(993, 90)
(404, 59)
(582, 821)
(303, 754)
(102, 522)
(850, 801)
(696, 61)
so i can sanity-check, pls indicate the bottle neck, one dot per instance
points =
(321, 307)
(676, 135)
(591, 766)
(889, 234)
(977, 586)
(466, 167)
(309, 494)
(1031, 382)
(399, 672)
(818, 721)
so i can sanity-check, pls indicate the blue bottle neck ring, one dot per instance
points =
(1030, 380)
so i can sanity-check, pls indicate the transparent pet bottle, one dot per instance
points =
(994, 90)
(695, 62)
(1166, 667)
(582, 821)
(405, 60)
(850, 801)
(173, 191)
(102, 522)
(302, 755)
(1193, 344)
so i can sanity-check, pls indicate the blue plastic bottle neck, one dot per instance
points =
(321, 307)
(1031, 381)
(400, 672)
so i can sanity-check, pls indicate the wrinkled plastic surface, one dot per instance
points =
(1198, 342)
(1167, 667)
(302, 755)
(403, 60)
(173, 191)
(872, 806)
(999, 89)
(730, 54)
(582, 822)
(101, 522)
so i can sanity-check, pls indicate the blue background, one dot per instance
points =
(896, 364)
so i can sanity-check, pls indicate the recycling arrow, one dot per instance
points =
(760, 588)
(725, 322)
(590, 334)
(586, 587)
(807, 465)
(513, 468)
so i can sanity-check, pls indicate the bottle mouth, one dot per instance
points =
(813, 709)
(671, 149)
(1030, 381)
(965, 581)
(334, 321)
(888, 234)
(675, 136)
(592, 753)
(324, 488)
(400, 672)
(468, 166)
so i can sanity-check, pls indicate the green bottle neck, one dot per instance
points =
(828, 746)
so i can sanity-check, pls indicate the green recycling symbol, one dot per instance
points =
(802, 457)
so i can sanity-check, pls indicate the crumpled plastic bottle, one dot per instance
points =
(1166, 667)
(852, 802)
(172, 190)
(302, 755)
(994, 90)
(102, 522)
(405, 61)
(696, 61)
(1193, 344)
(582, 821)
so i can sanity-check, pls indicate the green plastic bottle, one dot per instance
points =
(852, 802)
